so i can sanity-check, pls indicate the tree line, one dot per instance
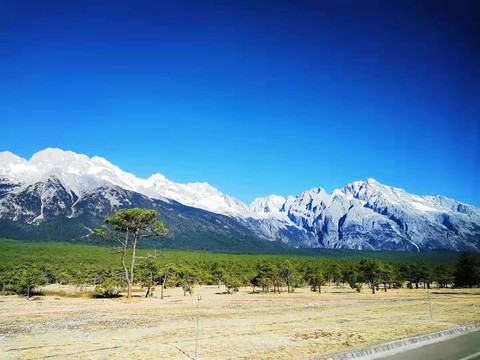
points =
(268, 274)
(125, 268)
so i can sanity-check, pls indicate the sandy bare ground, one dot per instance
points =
(241, 326)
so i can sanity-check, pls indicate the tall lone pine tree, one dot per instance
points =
(125, 228)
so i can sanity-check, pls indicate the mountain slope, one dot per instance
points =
(48, 211)
(61, 195)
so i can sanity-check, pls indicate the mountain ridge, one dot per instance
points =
(362, 215)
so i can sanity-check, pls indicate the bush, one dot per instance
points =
(6, 293)
(110, 288)
(232, 283)
(23, 281)
(65, 294)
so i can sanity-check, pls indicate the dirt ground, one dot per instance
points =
(299, 325)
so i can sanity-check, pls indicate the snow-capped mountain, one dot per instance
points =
(370, 215)
(66, 194)
(80, 174)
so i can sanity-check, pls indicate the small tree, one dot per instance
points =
(371, 271)
(24, 280)
(232, 283)
(218, 273)
(64, 278)
(277, 281)
(186, 279)
(110, 287)
(386, 274)
(333, 274)
(350, 275)
(467, 271)
(315, 277)
(148, 275)
(288, 273)
(126, 227)
(316, 280)
(265, 273)
(443, 275)
(168, 271)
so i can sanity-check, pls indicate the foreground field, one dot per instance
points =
(241, 326)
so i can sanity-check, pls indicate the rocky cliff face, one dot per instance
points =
(369, 215)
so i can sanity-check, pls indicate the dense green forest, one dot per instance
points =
(21, 248)
(24, 266)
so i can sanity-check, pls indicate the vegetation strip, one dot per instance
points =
(25, 267)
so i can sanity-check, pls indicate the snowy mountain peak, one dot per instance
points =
(10, 163)
(81, 174)
(7, 156)
(55, 156)
(269, 204)
(157, 177)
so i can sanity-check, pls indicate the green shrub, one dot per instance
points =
(111, 287)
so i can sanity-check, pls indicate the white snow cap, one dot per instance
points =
(81, 174)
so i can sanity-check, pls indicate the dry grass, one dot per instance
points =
(281, 326)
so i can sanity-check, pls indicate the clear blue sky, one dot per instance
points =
(254, 97)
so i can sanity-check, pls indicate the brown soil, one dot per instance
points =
(299, 325)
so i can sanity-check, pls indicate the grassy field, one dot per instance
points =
(299, 325)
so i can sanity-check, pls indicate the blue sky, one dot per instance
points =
(254, 97)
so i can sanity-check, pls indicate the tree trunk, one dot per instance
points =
(319, 289)
(148, 292)
(373, 288)
(132, 266)
(163, 286)
(124, 255)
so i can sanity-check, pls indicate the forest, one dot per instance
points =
(24, 267)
